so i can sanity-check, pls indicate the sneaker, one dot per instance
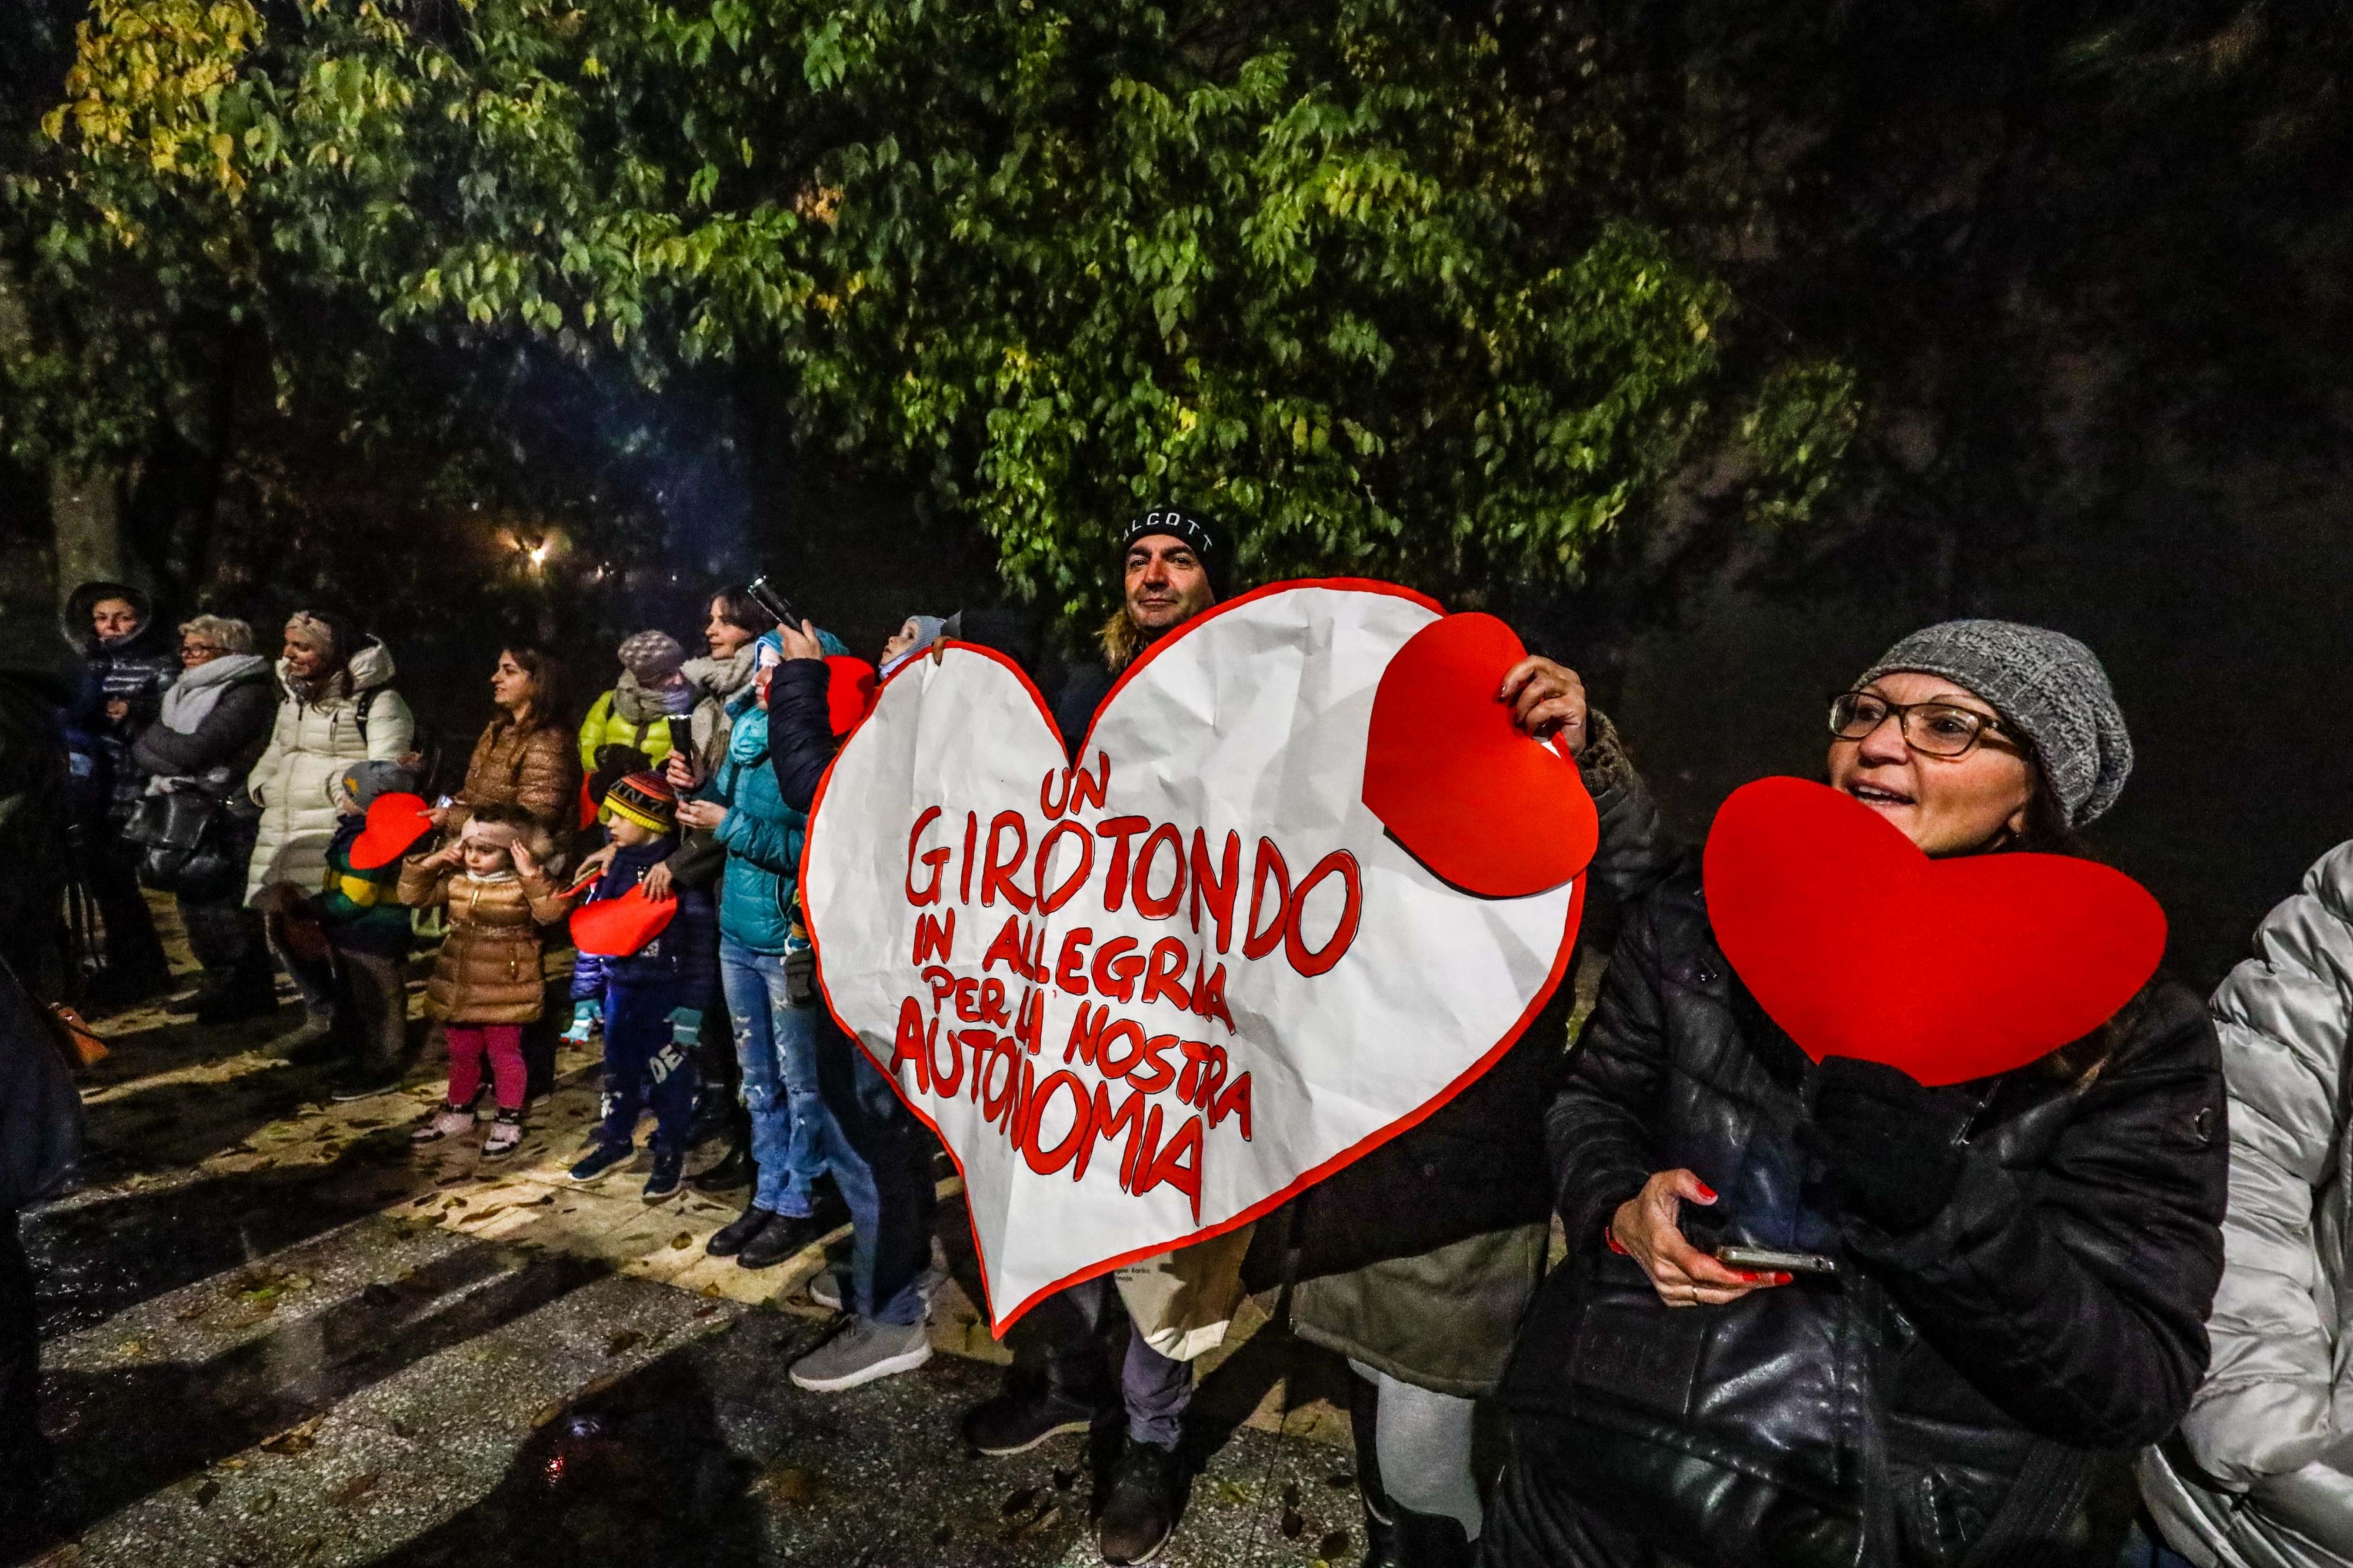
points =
(1146, 1495)
(447, 1122)
(861, 1353)
(668, 1169)
(503, 1135)
(601, 1158)
(355, 1082)
(1022, 1417)
(786, 1236)
(738, 1233)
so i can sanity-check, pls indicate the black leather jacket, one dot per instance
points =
(2058, 1298)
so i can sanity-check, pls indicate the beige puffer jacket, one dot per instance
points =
(2262, 1474)
(310, 746)
(487, 970)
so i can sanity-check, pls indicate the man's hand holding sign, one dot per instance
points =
(1253, 933)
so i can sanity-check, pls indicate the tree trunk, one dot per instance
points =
(86, 509)
(85, 502)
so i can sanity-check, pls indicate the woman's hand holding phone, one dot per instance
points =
(1645, 1230)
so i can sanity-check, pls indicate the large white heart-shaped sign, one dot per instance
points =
(1146, 999)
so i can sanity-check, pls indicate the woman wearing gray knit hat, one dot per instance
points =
(2019, 1267)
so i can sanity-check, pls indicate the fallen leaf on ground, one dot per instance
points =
(681, 1241)
(786, 1484)
(1334, 1545)
(1293, 1525)
(358, 1487)
(622, 1341)
(295, 1439)
(548, 1413)
(205, 1492)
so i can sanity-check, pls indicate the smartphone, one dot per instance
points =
(1763, 1259)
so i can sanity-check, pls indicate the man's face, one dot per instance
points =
(1166, 584)
(113, 619)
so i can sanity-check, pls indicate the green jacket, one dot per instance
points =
(361, 910)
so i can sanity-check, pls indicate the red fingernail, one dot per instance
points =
(1706, 1192)
(1757, 1279)
(1783, 1278)
(1611, 1237)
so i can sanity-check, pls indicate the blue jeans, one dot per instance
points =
(776, 1044)
(881, 1157)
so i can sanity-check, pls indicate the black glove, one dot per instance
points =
(1891, 1144)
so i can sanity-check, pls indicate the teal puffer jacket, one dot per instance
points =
(762, 835)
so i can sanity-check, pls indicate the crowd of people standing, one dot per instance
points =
(2107, 1277)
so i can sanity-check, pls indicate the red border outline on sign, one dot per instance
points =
(1257, 1211)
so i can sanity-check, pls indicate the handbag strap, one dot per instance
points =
(2052, 1485)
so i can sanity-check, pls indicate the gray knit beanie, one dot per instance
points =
(363, 782)
(2047, 685)
(652, 657)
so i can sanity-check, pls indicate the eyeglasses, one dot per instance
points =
(1933, 729)
(200, 650)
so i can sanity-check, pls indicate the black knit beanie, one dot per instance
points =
(1203, 537)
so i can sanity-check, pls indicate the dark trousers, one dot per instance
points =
(1061, 1337)
(226, 937)
(372, 1008)
(111, 871)
(881, 1158)
(644, 1066)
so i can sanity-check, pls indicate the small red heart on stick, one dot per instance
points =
(1469, 796)
(615, 928)
(1860, 945)
(394, 822)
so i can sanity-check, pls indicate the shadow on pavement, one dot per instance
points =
(640, 1474)
(94, 1258)
(121, 1435)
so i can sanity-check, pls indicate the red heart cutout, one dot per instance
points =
(1454, 780)
(615, 928)
(848, 690)
(1860, 945)
(394, 822)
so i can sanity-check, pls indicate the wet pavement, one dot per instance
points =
(275, 1332)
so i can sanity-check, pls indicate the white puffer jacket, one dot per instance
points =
(310, 746)
(2262, 1474)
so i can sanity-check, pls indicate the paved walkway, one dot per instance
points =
(276, 1333)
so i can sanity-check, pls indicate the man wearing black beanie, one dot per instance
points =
(1175, 564)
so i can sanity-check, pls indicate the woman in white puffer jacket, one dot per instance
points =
(338, 708)
(2260, 1473)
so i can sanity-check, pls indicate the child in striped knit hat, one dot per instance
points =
(651, 1000)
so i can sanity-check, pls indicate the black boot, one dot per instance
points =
(738, 1233)
(1431, 1541)
(734, 1170)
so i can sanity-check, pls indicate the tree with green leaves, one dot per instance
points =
(1315, 270)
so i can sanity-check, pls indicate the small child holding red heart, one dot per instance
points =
(650, 999)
